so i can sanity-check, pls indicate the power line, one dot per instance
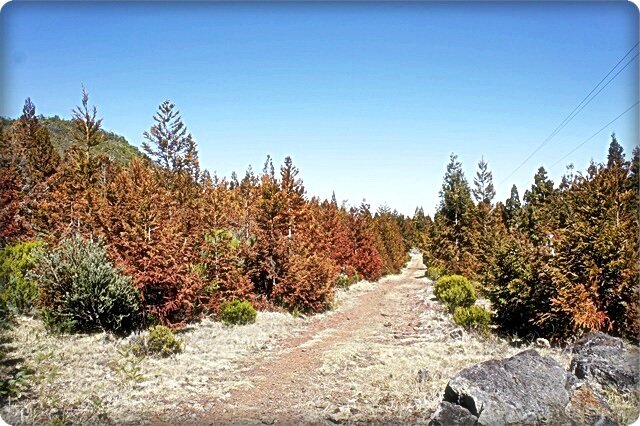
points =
(579, 107)
(597, 93)
(595, 134)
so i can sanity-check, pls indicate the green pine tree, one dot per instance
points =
(170, 145)
(484, 191)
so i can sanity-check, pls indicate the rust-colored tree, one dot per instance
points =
(146, 240)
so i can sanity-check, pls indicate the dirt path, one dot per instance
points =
(285, 385)
(384, 358)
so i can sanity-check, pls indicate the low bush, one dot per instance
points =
(80, 291)
(237, 313)
(454, 291)
(434, 272)
(17, 291)
(342, 281)
(474, 318)
(159, 341)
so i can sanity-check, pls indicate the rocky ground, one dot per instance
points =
(384, 354)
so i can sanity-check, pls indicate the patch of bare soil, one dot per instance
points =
(383, 355)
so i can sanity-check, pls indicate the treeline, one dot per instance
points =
(562, 260)
(182, 240)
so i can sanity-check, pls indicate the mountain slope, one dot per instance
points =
(115, 146)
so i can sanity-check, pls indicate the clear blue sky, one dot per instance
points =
(369, 99)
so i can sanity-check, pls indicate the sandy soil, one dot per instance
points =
(383, 355)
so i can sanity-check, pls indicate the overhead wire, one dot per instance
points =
(595, 134)
(578, 108)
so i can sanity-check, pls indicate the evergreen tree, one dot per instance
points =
(538, 214)
(170, 145)
(484, 191)
(513, 209)
(37, 157)
(12, 224)
(455, 234)
(541, 190)
(615, 157)
(635, 165)
(86, 126)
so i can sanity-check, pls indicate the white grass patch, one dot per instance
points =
(91, 378)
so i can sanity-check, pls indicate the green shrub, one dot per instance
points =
(472, 318)
(17, 291)
(237, 312)
(15, 383)
(160, 341)
(454, 291)
(342, 281)
(434, 272)
(81, 291)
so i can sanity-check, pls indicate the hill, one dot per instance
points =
(114, 145)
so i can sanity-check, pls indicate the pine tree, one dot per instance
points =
(389, 241)
(596, 261)
(455, 236)
(537, 211)
(170, 145)
(422, 225)
(31, 141)
(541, 190)
(615, 158)
(513, 209)
(13, 225)
(365, 259)
(292, 194)
(145, 238)
(86, 127)
(484, 191)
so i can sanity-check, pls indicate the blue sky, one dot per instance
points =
(369, 99)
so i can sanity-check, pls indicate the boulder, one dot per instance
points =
(587, 408)
(606, 361)
(524, 389)
(452, 414)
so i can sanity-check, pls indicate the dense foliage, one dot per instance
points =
(18, 291)
(564, 260)
(474, 318)
(158, 341)
(81, 291)
(188, 241)
(237, 312)
(454, 291)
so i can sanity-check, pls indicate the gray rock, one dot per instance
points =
(541, 342)
(606, 360)
(423, 375)
(456, 333)
(452, 414)
(587, 408)
(524, 389)
(339, 416)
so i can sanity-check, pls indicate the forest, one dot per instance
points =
(95, 235)
(134, 283)
(559, 262)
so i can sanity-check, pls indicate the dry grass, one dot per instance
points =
(93, 378)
